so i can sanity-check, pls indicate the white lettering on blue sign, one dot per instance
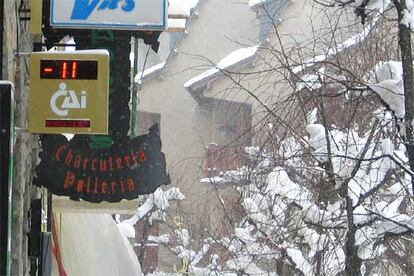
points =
(84, 8)
(109, 14)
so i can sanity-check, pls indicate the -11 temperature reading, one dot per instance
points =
(69, 69)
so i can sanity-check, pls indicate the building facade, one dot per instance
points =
(16, 46)
(205, 86)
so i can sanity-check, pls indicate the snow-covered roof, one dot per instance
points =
(230, 62)
(347, 44)
(178, 13)
(255, 4)
(176, 24)
(148, 73)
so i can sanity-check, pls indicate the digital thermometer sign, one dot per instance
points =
(69, 69)
(69, 92)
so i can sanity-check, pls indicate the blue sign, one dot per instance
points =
(83, 9)
(109, 14)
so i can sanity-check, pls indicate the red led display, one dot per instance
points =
(64, 70)
(74, 71)
(48, 70)
(68, 123)
(69, 69)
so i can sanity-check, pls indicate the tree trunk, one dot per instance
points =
(352, 260)
(404, 41)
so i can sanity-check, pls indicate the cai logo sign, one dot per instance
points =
(114, 14)
(64, 99)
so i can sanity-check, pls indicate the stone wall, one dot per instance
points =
(15, 68)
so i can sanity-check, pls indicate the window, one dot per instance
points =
(229, 135)
(145, 120)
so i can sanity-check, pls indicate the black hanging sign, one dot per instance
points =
(125, 170)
